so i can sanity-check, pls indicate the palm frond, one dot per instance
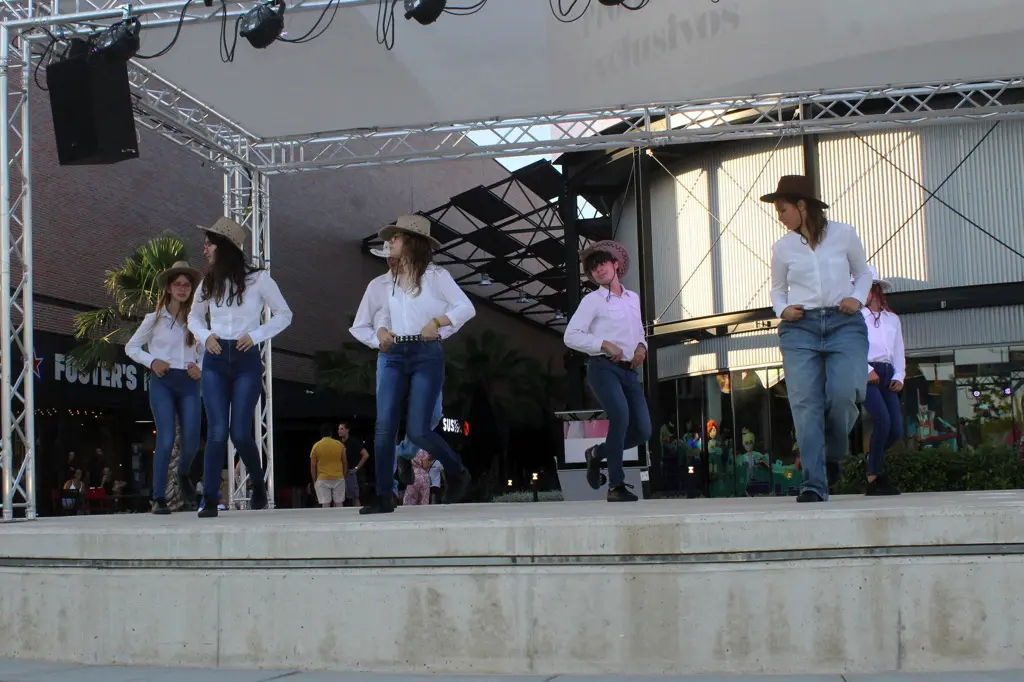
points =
(92, 354)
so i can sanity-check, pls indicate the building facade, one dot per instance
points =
(940, 211)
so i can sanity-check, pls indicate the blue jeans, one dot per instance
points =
(887, 419)
(174, 395)
(406, 448)
(414, 369)
(621, 396)
(823, 356)
(232, 384)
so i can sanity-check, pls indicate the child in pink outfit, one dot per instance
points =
(419, 491)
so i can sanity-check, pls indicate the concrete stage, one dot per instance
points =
(913, 583)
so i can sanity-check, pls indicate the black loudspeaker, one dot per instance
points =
(91, 103)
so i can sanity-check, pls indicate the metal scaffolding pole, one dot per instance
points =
(247, 202)
(17, 412)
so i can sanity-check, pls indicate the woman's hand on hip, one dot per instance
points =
(793, 313)
(896, 386)
(244, 343)
(849, 306)
(873, 377)
(213, 344)
(159, 367)
(194, 371)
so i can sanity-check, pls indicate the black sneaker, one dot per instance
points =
(405, 473)
(384, 505)
(620, 493)
(809, 496)
(259, 497)
(833, 472)
(159, 507)
(208, 512)
(593, 468)
(880, 486)
(457, 486)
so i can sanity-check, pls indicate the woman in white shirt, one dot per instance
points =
(165, 346)
(234, 295)
(887, 368)
(820, 280)
(423, 300)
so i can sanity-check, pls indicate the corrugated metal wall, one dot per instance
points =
(712, 234)
(881, 184)
(965, 234)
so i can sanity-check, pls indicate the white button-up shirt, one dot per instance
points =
(819, 278)
(408, 313)
(374, 313)
(164, 339)
(603, 316)
(231, 322)
(885, 342)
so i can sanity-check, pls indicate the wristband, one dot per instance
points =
(436, 322)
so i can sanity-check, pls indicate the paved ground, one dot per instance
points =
(34, 671)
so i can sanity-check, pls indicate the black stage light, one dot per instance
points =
(424, 11)
(262, 25)
(119, 42)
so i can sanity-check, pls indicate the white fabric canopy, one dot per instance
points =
(514, 58)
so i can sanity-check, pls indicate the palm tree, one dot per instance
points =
(352, 368)
(134, 291)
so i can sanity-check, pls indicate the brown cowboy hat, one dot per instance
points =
(617, 251)
(226, 227)
(409, 224)
(795, 187)
(179, 268)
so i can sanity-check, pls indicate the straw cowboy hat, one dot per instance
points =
(875, 279)
(795, 187)
(226, 227)
(409, 224)
(617, 251)
(179, 268)
(382, 252)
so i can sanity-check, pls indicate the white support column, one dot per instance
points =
(17, 412)
(247, 202)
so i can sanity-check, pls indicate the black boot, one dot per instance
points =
(259, 495)
(593, 468)
(384, 504)
(159, 507)
(809, 496)
(621, 493)
(208, 511)
(881, 486)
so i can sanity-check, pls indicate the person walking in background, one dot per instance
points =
(353, 448)
(434, 472)
(423, 300)
(887, 369)
(419, 491)
(164, 345)
(822, 335)
(234, 295)
(608, 327)
(327, 467)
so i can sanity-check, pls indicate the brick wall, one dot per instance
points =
(87, 219)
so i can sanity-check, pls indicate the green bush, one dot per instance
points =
(940, 469)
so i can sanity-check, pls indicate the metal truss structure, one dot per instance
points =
(248, 160)
(505, 243)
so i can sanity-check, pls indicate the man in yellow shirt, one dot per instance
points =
(327, 466)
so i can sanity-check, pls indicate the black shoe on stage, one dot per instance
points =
(159, 507)
(457, 486)
(208, 512)
(405, 473)
(259, 497)
(593, 468)
(621, 493)
(881, 486)
(382, 505)
(809, 496)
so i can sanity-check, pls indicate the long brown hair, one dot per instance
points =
(186, 306)
(816, 222)
(226, 275)
(416, 256)
(876, 290)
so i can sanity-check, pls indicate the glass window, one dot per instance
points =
(751, 463)
(718, 435)
(929, 402)
(689, 436)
